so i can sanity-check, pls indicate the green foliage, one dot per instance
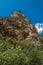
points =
(41, 40)
(19, 52)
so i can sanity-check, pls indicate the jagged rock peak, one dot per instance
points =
(18, 26)
(16, 13)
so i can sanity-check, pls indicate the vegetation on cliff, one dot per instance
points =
(19, 52)
(20, 43)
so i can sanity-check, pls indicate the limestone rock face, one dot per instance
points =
(17, 26)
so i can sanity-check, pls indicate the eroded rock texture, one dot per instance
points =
(17, 26)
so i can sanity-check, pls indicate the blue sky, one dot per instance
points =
(33, 9)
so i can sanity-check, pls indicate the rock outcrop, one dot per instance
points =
(18, 26)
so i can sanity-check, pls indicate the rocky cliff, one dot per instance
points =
(18, 26)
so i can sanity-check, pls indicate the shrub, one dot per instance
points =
(19, 52)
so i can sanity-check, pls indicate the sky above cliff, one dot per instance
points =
(33, 9)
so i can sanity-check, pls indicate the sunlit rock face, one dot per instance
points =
(16, 14)
(18, 26)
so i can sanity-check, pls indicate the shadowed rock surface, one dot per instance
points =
(18, 26)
